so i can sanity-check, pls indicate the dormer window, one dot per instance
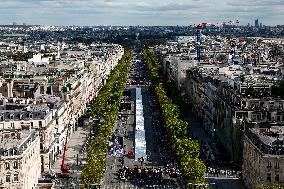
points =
(30, 115)
(12, 152)
(6, 153)
(21, 116)
(2, 117)
(11, 116)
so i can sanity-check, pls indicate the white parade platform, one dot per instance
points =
(140, 142)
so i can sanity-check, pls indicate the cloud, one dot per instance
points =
(167, 7)
(139, 12)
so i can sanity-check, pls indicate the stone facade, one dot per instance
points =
(19, 160)
(263, 163)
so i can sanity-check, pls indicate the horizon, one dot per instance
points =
(29, 25)
(144, 13)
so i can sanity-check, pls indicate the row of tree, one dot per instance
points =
(105, 108)
(187, 150)
(277, 186)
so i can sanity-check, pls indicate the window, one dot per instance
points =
(269, 164)
(269, 177)
(277, 165)
(7, 166)
(8, 178)
(15, 165)
(6, 153)
(277, 177)
(16, 177)
(40, 123)
(41, 89)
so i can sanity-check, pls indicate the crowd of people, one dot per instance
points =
(173, 171)
(144, 173)
(115, 149)
(215, 172)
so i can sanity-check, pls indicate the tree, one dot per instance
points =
(221, 58)
(276, 186)
(187, 148)
(193, 171)
(105, 107)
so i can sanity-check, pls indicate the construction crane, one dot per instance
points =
(64, 167)
(201, 26)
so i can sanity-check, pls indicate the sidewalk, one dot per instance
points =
(197, 130)
(74, 146)
(221, 182)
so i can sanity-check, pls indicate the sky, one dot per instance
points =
(140, 12)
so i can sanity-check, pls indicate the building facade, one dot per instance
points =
(19, 160)
(263, 156)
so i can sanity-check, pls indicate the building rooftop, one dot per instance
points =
(14, 143)
(268, 140)
(21, 109)
(272, 136)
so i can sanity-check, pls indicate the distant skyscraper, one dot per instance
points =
(14, 23)
(260, 25)
(256, 23)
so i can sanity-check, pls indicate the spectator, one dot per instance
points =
(141, 160)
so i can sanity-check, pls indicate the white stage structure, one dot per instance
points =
(140, 142)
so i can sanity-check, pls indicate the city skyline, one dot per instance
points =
(124, 12)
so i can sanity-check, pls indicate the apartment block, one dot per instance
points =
(263, 156)
(19, 159)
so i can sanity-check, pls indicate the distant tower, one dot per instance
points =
(256, 23)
